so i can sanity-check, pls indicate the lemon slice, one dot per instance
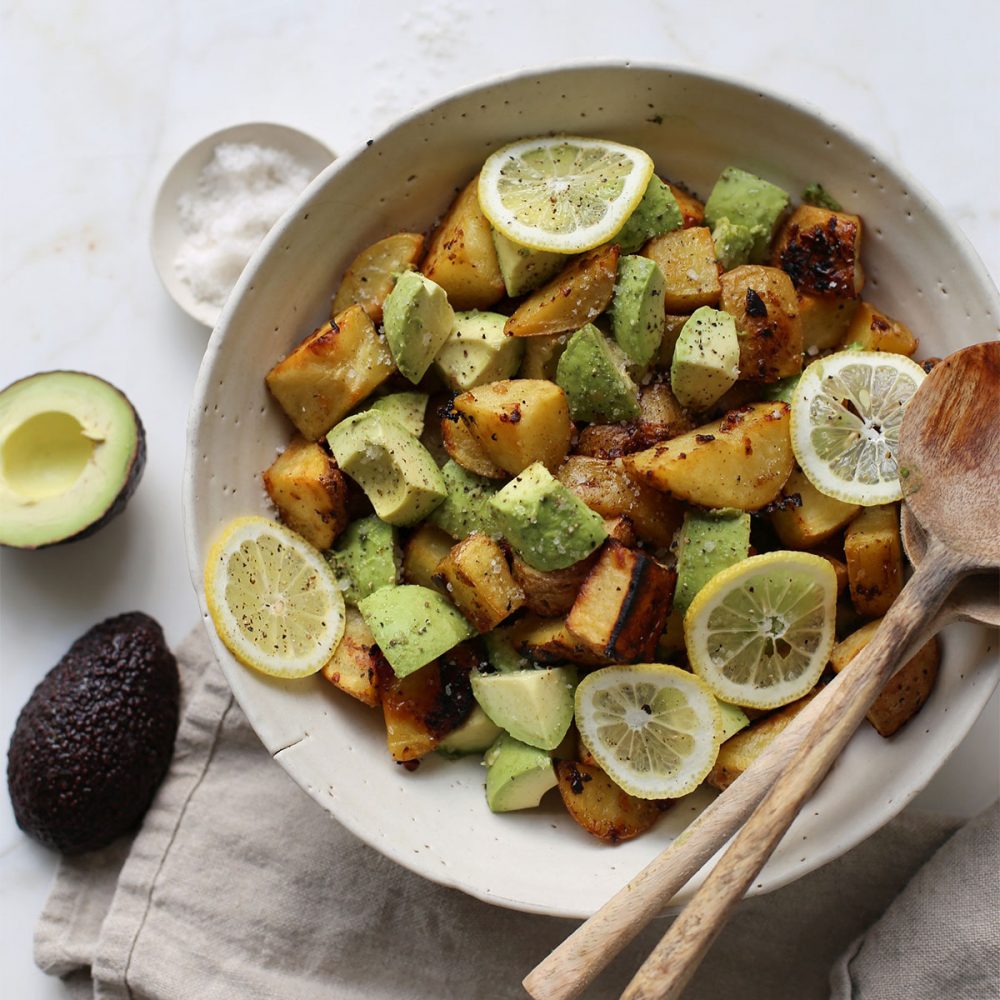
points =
(562, 193)
(760, 633)
(654, 729)
(846, 412)
(273, 598)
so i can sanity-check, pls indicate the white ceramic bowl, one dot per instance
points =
(166, 233)
(435, 821)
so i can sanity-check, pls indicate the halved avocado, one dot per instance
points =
(72, 451)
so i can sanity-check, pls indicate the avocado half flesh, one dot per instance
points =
(72, 451)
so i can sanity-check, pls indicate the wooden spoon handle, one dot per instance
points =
(567, 971)
(674, 960)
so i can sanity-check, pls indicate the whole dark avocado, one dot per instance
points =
(95, 738)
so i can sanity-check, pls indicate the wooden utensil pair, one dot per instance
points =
(949, 454)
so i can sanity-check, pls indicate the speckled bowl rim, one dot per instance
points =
(881, 810)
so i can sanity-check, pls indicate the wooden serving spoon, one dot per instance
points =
(949, 457)
(574, 964)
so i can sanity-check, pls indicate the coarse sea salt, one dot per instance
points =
(239, 195)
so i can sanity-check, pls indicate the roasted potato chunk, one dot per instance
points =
(874, 559)
(309, 491)
(905, 693)
(354, 666)
(621, 529)
(872, 330)
(608, 488)
(825, 322)
(741, 461)
(574, 297)
(687, 259)
(422, 555)
(600, 806)
(371, 275)
(816, 519)
(550, 593)
(461, 257)
(423, 707)
(623, 605)
(330, 372)
(692, 210)
(765, 307)
(820, 250)
(548, 640)
(478, 580)
(518, 422)
(464, 447)
(741, 750)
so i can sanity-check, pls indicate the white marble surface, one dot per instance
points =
(100, 97)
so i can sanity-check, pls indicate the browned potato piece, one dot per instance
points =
(422, 555)
(671, 331)
(659, 409)
(608, 488)
(621, 529)
(687, 259)
(905, 693)
(548, 640)
(824, 321)
(765, 307)
(623, 605)
(820, 250)
(583, 754)
(600, 806)
(817, 519)
(575, 296)
(741, 461)
(840, 568)
(692, 210)
(518, 422)
(477, 578)
(330, 372)
(874, 331)
(463, 446)
(741, 750)
(550, 593)
(461, 256)
(309, 491)
(874, 559)
(371, 275)
(672, 640)
(541, 356)
(354, 666)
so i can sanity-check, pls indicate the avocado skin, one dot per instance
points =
(94, 740)
(131, 484)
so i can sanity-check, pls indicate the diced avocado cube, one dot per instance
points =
(817, 195)
(637, 316)
(394, 469)
(501, 653)
(533, 706)
(467, 506)
(657, 213)
(550, 527)
(517, 775)
(747, 200)
(733, 243)
(406, 408)
(417, 320)
(706, 360)
(365, 558)
(413, 625)
(476, 735)
(733, 719)
(710, 541)
(477, 351)
(592, 372)
(523, 269)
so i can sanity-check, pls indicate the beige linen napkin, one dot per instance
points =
(239, 886)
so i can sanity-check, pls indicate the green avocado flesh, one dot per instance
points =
(72, 450)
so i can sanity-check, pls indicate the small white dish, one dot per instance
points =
(166, 234)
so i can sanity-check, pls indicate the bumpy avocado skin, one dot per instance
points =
(95, 738)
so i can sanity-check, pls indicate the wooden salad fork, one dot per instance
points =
(950, 451)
